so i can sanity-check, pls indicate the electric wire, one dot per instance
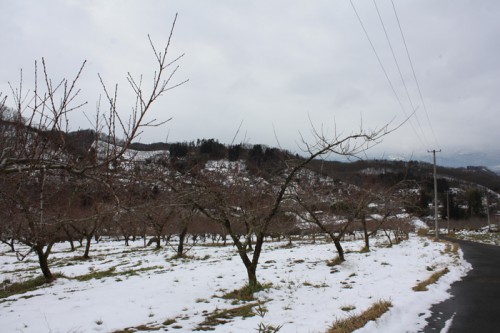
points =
(385, 73)
(414, 75)
(400, 74)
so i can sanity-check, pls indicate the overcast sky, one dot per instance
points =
(276, 66)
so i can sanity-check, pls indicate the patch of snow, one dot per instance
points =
(419, 224)
(306, 295)
(447, 324)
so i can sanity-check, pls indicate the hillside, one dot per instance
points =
(386, 171)
(259, 156)
(358, 172)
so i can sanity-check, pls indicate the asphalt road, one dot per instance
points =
(475, 304)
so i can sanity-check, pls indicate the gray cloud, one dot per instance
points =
(278, 64)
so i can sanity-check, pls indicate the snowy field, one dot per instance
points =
(147, 290)
(483, 236)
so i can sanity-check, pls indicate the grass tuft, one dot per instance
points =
(422, 286)
(364, 250)
(447, 248)
(170, 321)
(423, 232)
(317, 285)
(97, 275)
(352, 323)
(7, 290)
(220, 317)
(347, 308)
(181, 256)
(112, 272)
(334, 262)
(246, 293)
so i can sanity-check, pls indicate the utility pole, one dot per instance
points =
(488, 211)
(435, 192)
(448, 209)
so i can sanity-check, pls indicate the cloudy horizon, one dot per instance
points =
(279, 67)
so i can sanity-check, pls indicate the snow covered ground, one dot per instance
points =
(483, 236)
(146, 287)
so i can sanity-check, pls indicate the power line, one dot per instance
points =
(400, 73)
(414, 75)
(385, 73)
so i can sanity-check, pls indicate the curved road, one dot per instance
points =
(475, 302)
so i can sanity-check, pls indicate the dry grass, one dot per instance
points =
(22, 287)
(451, 248)
(246, 293)
(423, 232)
(352, 323)
(220, 317)
(112, 272)
(364, 250)
(334, 262)
(8, 289)
(422, 286)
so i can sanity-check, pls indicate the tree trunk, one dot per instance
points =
(339, 248)
(365, 233)
(252, 276)
(87, 246)
(388, 235)
(44, 263)
(248, 237)
(250, 265)
(72, 244)
(70, 238)
(182, 237)
(252, 268)
(248, 241)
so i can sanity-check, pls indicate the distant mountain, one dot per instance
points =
(458, 158)
(390, 171)
(490, 160)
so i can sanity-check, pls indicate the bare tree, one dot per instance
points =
(228, 200)
(321, 202)
(36, 151)
(186, 215)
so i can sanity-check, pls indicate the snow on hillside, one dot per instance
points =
(105, 148)
(149, 288)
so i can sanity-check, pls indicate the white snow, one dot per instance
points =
(306, 295)
(419, 224)
(447, 324)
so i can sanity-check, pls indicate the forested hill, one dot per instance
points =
(389, 172)
(258, 156)
(360, 172)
